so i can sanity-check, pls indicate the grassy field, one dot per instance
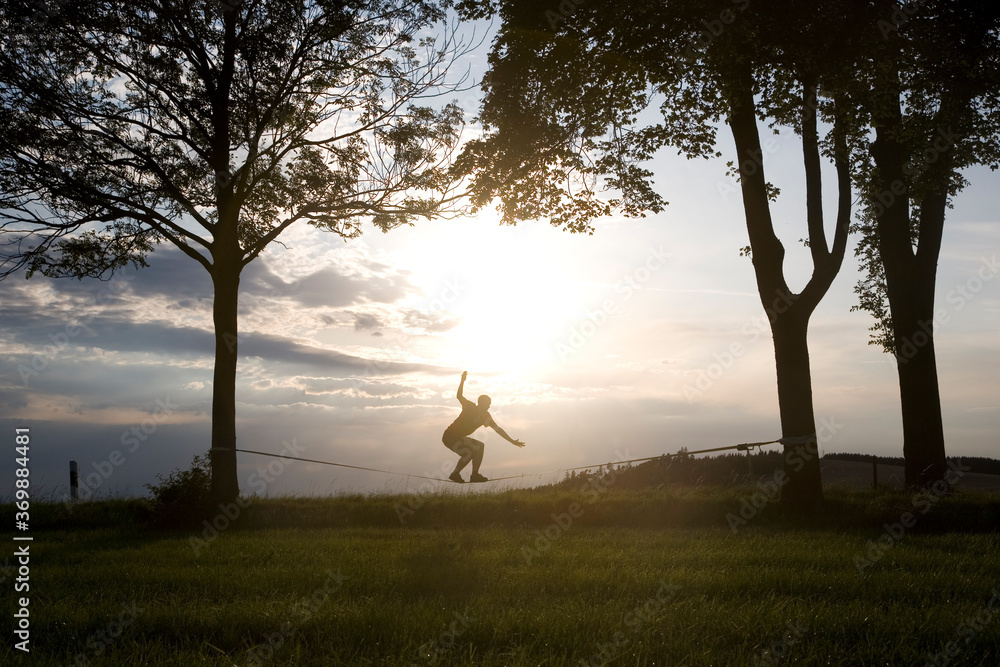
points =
(522, 578)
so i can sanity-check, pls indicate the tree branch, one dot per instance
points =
(814, 183)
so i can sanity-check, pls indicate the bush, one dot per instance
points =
(183, 496)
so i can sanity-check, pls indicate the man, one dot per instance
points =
(456, 437)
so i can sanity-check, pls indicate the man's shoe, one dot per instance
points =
(455, 477)
(476, 477)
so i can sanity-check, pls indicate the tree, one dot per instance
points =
(929, 89)
(215, 126)
(561, 103)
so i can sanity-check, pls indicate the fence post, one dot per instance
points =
(874, 473)
(74, 482)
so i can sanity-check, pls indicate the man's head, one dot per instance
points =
(485, 402)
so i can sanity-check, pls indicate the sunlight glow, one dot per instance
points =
(506, 287)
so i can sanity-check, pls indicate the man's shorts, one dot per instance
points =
(455, 443)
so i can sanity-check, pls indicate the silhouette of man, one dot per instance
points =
(456, 437)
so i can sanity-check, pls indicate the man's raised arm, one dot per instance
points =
(462, 399)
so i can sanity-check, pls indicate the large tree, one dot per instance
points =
(929, 89)
(214, 125)
(563, 98)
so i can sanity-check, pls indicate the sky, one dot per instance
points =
(640, 339)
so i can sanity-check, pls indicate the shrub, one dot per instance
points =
(183, 496)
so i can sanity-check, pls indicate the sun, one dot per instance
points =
(505, 326)
(508, 295)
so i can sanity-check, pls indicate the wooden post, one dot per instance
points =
(874, 473)
(74, 482)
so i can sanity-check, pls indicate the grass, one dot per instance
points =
(636, 578)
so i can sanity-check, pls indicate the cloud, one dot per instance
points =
(173, 274)
(331, 287)
(428, 321)
(174, 287)
(279, 349)
(11, 399)
(117, 335)
(139, 313)
(367, 322)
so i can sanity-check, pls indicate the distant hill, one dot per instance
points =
(738, 468)
(979, 464)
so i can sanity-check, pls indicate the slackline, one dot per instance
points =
(746, 446)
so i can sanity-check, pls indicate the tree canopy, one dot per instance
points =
(934, 70)
(215, 126)
(580, 101)
(127, 126)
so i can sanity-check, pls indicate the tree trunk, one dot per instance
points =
(920, 398)
(225, 482)
(803, 487)
(226, 268)
(910, 277)
(911, 303)
(910, 288)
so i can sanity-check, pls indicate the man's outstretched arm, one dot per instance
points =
(503, 434)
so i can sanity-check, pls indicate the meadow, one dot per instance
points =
(521, 577)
